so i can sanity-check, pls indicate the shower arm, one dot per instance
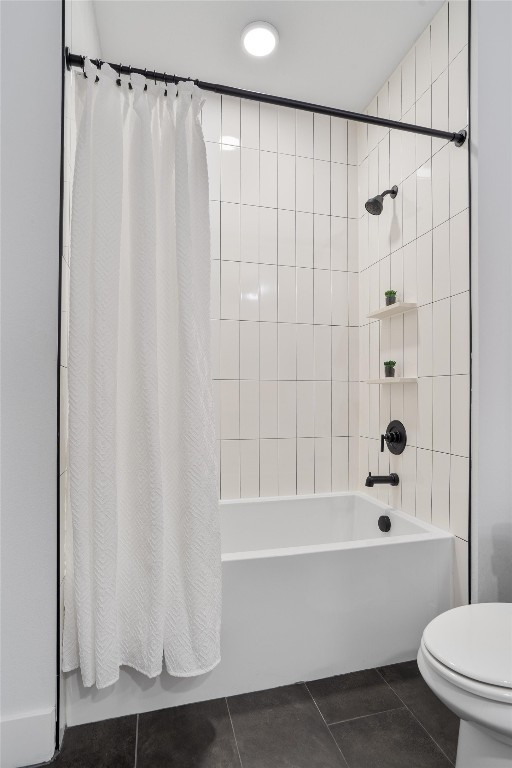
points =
(76, 60)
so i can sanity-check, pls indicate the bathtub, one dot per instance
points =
(311, 588)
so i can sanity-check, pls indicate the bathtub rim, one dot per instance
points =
(428, 532)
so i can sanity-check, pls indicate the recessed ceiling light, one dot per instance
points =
(259, 38)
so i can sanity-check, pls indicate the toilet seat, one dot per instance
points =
(471, 646)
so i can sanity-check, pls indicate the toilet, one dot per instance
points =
(465, 657)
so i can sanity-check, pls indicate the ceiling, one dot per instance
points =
(332, 52)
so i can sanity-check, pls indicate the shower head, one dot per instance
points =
(375, 204)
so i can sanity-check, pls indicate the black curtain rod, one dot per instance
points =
(75, 60)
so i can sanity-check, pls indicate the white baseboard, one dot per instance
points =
(27, 739)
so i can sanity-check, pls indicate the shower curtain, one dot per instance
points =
(143, 580)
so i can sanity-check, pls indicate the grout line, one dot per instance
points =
(233, 729)
(324, 722)
(136, 740)
(414, 716)
(362, 717)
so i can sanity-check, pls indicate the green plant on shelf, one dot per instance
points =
(390, 297)
(390, 363)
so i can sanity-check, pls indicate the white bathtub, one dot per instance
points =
(311, 588)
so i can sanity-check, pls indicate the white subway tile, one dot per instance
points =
(408, 145)
(339, 187)
(287, 450)
(287, 410)
(249, 469)
(305, 352)
(353, 203)
(268, 127)
(230, 174)
(305, 409)
(339, 244)
(322, 465)
(215, 229)
(304, 184)
(249, 291)
(441, 490)
(459, 180)
(322, 187)
(304, 295)
(268, 236)
(268, 179)
(408, 480)
(339, 470)
(268, 292)
(249, 409)
(339, 145)
(250, 176)
(286, 238)
(269, 473)
(230, 118)
(411, 412)
(286, 131)
(458, 26)
(424, 199)
(249, 350)
(441, 413)
(395, 95)
(304, 133)
(249, 233)
(425, 340)
(440, 108)
(340, 408)
(409, 208)
(211, 118)
(229, 410)
(458, 90)
(268, 351)
(250, 123)
(441, 261)
(353, 149)
(424, 268)
(321, 137)
(424, 485)
(424, 422)
(460, 333)
(340, 353)
(439, 41)
(213, 162)
(230, 469)
(340, 299)
(286, 181)
(408, 81)
(305, 465)
(268, 409)
(441, 338)
(286, 295)
(230, 232)
(322, 296)
(423, 67)
(410, 289)
(230, 290)
(323, 409)
(322, 241)
(440, 186)
(287, 351)
(322, 341)
(304, 239)
(459, 253)
(460, 573)
(459, 496)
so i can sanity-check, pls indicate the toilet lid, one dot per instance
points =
(474, 641)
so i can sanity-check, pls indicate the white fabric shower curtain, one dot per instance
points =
(143, 569)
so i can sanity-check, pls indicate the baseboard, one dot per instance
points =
(27, 739)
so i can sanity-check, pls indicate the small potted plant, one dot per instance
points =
(390, 297)
(389, 368)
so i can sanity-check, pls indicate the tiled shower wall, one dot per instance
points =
(419, 247)
(284, 214)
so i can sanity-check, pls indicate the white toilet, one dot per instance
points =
(466, 659)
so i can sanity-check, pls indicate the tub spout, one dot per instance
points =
(391, 479)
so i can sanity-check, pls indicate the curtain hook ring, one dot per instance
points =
(118, 81)
(130, 86)
(145, 75)
(83, 67)
(154, 75)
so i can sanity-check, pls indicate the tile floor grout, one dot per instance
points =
(136, 740)
(325, 723)
(234, 732)
(362, 717)
(414, 716)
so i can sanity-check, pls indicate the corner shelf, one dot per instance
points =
(392, 380)
(398, 308)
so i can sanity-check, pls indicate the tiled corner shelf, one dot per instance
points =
(392, 380)
(398, 308)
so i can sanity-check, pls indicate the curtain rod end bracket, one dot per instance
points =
(459, 138)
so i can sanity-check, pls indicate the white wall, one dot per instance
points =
(419, 246)
(491, 166)
(30, 146)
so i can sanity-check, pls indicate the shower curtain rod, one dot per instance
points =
(75, 60)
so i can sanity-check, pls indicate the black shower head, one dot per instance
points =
(375, 204)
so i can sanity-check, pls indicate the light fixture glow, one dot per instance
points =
(259, 38)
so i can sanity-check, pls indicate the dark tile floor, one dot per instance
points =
(377, 718)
